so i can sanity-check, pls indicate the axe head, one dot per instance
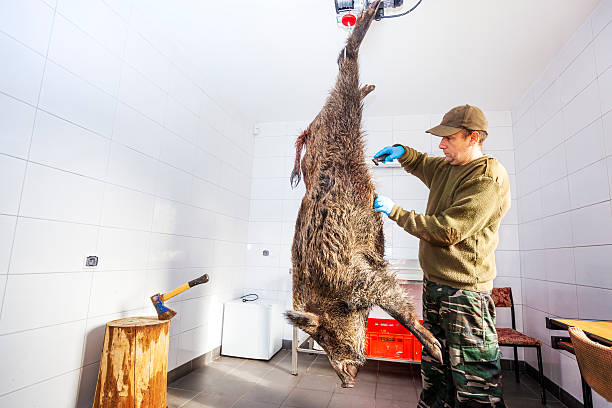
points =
(163, 313)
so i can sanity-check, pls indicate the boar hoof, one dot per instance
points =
(435, 350)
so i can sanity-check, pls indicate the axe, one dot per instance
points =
(163, 313)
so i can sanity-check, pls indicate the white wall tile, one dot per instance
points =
(141, 94)
(7, 232)
(269, 167)
(39, 17)
(265, 232)
(570, 378)
(409, 187)
(576, 44)
(70, 298)
(131, 169)
(378, 123)
(508, 238)
(174, 184)
(98, 20)
(58, 391)
(530, 206)
(11, 186)
(536, 295)
(142, 56)
(533, 264)
(87, 385)
(276, 146)
(592, 225)
(120, 249)
(605, 89)
(135, 130)
(553, 166)
(124, 208)
(71, 98)
(555, 197)
(531, 235)
(418, 140)
(58, 195)
(499, 138)
(376, 140)
(183, 89)
(601, 45)
(588, 186)
(24, 366)
(266, 210)
(607, 132)
(80, 54)
(609, 165)
(549, 103)
(582, 110)
(578, 75)
(411, 122)
(16, 126)
(499, 118)
(562, 300)
(559, 265)
(524, 127)
(585, 148)
(117, 291)
(508, 263)
(594, 303)
(593, 266)
(58, 246)
(601, 16)
(21, 70)
(63, 145)
(181, 120)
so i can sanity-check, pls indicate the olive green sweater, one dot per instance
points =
(459, 232)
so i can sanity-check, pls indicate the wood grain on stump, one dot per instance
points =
(133, 366)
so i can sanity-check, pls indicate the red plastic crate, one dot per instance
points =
(388, 345)
(387, 338)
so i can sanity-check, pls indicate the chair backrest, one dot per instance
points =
(594, 361)
(502, 297)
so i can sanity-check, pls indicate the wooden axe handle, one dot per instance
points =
(202, 279)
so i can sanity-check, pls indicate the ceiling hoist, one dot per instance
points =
(348, 10)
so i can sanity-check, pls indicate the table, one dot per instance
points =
(598, 331)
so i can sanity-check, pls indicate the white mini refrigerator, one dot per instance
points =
(252, 329)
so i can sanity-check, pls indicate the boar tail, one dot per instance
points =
(296, 174)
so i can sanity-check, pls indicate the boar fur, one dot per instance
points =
(339, 271)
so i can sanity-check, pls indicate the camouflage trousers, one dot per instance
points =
(464, 323)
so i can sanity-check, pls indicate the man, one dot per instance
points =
(469, 195)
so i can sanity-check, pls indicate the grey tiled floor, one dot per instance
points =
(238, 383)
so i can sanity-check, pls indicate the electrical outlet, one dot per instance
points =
(91, 261)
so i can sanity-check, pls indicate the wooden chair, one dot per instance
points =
(594, 361)
(510, 337)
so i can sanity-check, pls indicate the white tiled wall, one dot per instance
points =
(109, 146)
(274, 205)
(563, 138)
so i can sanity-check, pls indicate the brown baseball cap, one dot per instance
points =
(460, 117)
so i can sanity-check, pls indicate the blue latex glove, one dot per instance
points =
(394, 152)
(383, 204)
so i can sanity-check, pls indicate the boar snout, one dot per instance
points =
(351, 371)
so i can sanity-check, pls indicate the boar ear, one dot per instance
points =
(303, 320)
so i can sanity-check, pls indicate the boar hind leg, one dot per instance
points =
(393, 300)
(359, 31)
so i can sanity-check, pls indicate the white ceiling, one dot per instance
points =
(274, 60)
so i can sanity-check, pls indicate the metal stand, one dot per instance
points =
(295, 349)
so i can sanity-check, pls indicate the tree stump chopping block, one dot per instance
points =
(133, 366)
